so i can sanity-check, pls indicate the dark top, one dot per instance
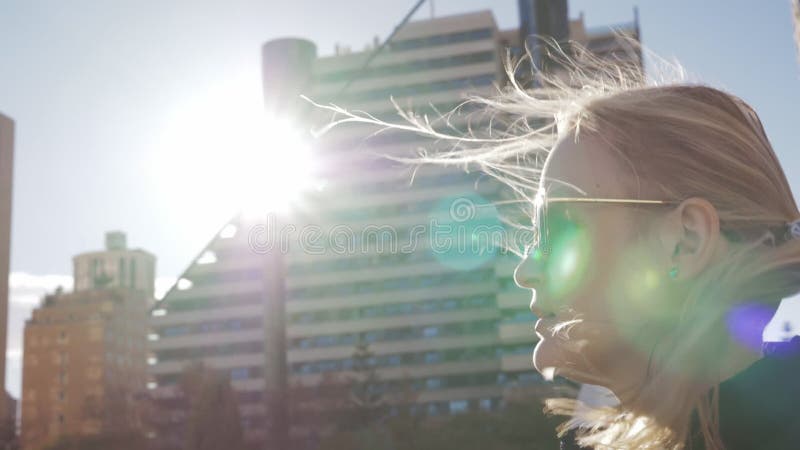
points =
(759, 408)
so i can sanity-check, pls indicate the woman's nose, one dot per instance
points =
(528, 273)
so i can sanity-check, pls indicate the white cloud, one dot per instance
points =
(27, 290)
(25, 282)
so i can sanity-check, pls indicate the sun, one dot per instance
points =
(221, 154)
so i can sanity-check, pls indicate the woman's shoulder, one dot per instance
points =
(759, 408)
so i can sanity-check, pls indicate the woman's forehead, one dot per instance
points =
(582, 168)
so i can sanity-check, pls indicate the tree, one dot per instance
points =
(310, 408)
(132, 440)
(366, 396)
(520, 424)
(116, 410)
(213, 414)
(102, 280)
(360, 416)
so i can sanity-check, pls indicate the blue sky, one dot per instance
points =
(96, 88)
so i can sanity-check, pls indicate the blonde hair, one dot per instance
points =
(686, 140)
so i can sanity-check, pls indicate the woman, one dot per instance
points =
(684, 219)
(667, 234)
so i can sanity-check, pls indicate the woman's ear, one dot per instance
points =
(690, 237)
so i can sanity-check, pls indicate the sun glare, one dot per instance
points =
(221, 154)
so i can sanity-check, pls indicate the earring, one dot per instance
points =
(673, 272)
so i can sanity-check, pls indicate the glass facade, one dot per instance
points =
(442, 39)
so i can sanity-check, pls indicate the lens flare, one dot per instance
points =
(746, 323)
(642, 284)
(465, 232)
(567, 264)
(640, 298)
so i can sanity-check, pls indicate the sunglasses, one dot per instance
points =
(540, 221)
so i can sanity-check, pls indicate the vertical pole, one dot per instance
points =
(6, 175)
(275, 392)
(286, 71)
(542, 19)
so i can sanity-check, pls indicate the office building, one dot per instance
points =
(6, 183)
(115, 266)
(456, 329)
(84, 359)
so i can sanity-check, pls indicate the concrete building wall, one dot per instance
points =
(116, 266)
(6, 183)
(84, 360)
(214, 314)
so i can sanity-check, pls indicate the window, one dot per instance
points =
(228, 231)
(433, 383)
(121, 272)
(133, 274)
(433, 357)
(410, 67)
(182, 284)
(325, 341)
(240, 373)
(430, 331)
(459, 406)
(441, 39)
(175, 331)
(529, 378)
(208, 257)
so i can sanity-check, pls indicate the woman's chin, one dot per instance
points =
(545, 357)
